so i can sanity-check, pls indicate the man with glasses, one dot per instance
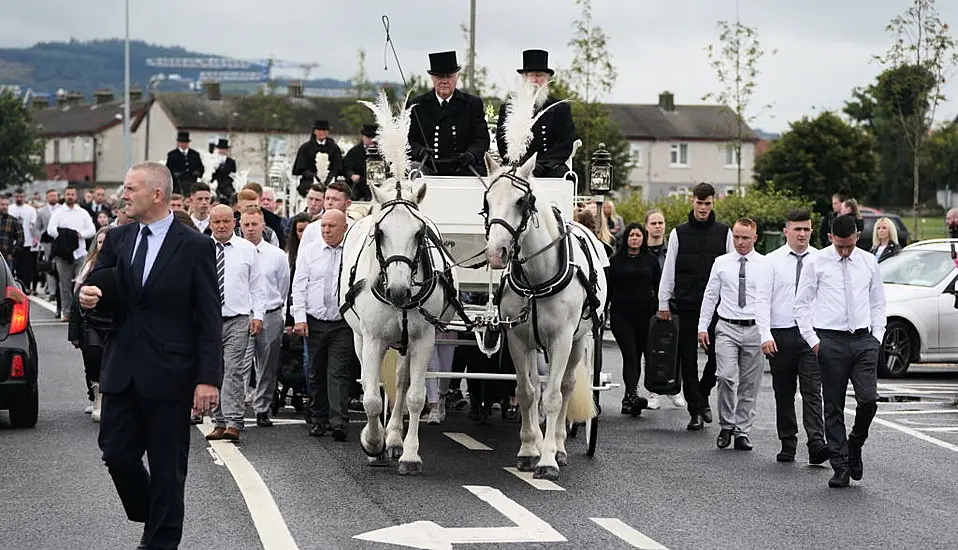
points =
(448, 134)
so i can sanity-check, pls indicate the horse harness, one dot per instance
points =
(427, 241)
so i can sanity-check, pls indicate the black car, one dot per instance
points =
(19, 365)
(865, 240)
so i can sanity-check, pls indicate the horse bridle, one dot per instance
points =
(526, 204)
(387, 208)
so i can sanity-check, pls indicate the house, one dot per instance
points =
(257, 126)
(84, 142)
(674, 147)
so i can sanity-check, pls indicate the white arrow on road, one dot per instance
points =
(427, 535)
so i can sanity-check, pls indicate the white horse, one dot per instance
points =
(552, 296)
(396, 286)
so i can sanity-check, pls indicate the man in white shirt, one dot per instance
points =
(315, 310)
(732, 286)
(794, 366)
(840, 309)
(275, 267)
(71, 217)
(26, 260)
(243, 295)
(336, 197)
(200, 196)
(46, 241)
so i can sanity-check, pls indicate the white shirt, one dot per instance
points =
(667, 282)
(28, 218)
(776, 298)
(275, 267)
(724, 284)
(823, 295)
(315, 284)
(314, 230)
(201, 224)
(74, 218)
(244, 284)
(158, 231)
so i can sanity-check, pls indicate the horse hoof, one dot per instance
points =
(372, 452)
(546, 472)
(527, 463)
(410, 468)
(394, 452)
(562, 459)
(380, 461)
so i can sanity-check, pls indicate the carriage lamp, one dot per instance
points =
(375, 166)
(600, 173)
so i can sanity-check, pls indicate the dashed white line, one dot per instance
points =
(467, 441)
(940, 429)
(44, 304)
(540, 484)
(912, 432)
(622, 530)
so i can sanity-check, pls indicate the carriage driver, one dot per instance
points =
(553, 133)
(448, 133)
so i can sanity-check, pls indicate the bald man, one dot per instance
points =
(315, 310)
(164, 356)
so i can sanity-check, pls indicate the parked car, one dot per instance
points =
(921, 307)
(865, 240)
(19, 370)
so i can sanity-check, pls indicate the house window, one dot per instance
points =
(635, 152)
(732, 156)
(680, 154)
(681, 192)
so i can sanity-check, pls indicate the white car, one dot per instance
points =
(921, 306)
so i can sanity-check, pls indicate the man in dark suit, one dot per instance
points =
(305, 163)
(554, 132)
(354, 165)
(163, 356)
(225, 165)
(185, 164)
(448, 133)
(98, 204)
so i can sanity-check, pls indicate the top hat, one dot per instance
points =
(535, 61)
(369, 130)
(222, 143)
(443, 63)
(183, 135)
(321, 125)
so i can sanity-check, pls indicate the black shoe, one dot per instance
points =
(819, 453)
(742, 443)
(707, 415)
(724, 438)
(695, 423)
(787, 454)
(855, 467)
(319, 429)
(627, 402)
(339, 432)
(840, 479)
(263, 421)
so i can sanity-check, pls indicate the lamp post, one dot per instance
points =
(127, 136)
(600, 180)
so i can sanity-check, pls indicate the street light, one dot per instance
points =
(127, 135)
(375, 166)
(600, 173)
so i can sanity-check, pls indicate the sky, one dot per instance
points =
(823, 48)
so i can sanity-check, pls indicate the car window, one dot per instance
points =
(924, 268)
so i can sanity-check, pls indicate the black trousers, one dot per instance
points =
(25, 265)
(843, 357)
(332, 355)
(630, 326)
(92, 361)
(696, 390)
(795, 367)
(130, 426)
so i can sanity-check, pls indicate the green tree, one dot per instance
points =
(355, 114)
(20, 147)
(922, 41)
(735, 63)
(817, 157)
(417, 85)
(940, 162)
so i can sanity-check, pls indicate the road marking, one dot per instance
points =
(541, 484)
(912, 432)
(52, 308)
(622, 530)
(940, 429)
(467, 441)
(269, 523)
(49, 323)
(923, 411)
(216, 458)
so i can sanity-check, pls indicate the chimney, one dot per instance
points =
(39, 102)
(102, 96)
(295, 89)
(73, 98)
(667, 101)
(136, 94)
(212, 90)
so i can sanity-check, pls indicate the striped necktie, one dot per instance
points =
(221, 270)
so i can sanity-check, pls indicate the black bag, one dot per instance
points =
(291, 363)
(662, 374)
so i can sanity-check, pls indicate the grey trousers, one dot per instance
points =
(793, 363)
(231, 408)
(67, 271)
(267, 346)
(331, 353)
(843, 357)
(738, 371)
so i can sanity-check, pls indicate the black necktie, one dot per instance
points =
(442, 104)
(139, 260)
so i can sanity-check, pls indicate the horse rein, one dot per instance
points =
(529, 210)
(387, 208)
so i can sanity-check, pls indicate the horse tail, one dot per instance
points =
(581, 404)
(387, 375)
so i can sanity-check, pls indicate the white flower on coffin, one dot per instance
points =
(240, 179)
(209, 166)
(322, 167)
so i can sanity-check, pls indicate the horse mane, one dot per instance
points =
(392, 134)
(521, 116)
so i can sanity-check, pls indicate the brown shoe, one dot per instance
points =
(231, 434)
(216, 434)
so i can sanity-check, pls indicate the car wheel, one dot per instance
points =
(897, 347)
(26, 411)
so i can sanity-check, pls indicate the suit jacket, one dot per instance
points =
(552, 137)
(103, 208)
(186, 170)
(305, 163)
(224, 183)
(167, 337)
(355, 163)
(460, 127)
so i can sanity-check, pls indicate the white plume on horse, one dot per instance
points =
(521, 116)
(322, 167)
(393, 133)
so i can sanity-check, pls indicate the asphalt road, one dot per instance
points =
(663, 486)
